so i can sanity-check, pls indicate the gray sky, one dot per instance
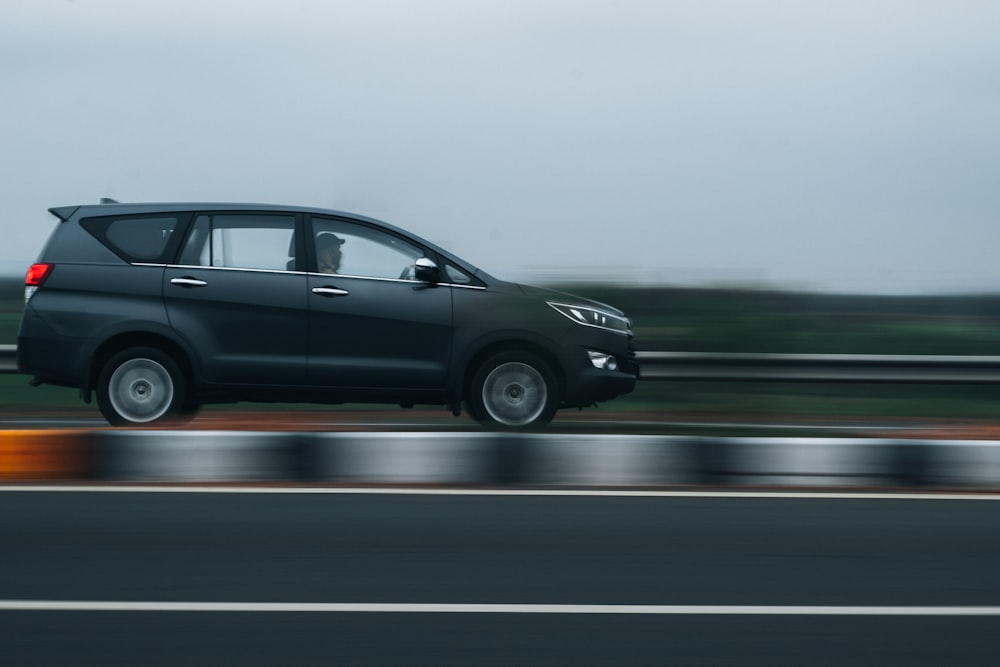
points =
(831, 144)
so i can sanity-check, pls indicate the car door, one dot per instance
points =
(371, 324)
(235, 297)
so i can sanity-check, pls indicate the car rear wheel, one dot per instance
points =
(140, 386)
(513, 390)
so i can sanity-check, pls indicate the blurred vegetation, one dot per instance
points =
(744, 320)
(729, 320)
(11, 307)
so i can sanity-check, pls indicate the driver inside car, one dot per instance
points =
(328, 253)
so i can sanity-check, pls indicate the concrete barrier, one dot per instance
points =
(810, 462)
(621, 460)
(46, 454)
(495, 459)
(961, 463)
(194, 456)
(414, 458)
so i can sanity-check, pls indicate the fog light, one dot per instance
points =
(603, 361)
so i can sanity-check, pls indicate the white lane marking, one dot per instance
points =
(420, 608)
(604, 493)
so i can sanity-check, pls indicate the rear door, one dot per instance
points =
(237, 299)
(371, 324)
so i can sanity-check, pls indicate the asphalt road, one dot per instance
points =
(471, 579)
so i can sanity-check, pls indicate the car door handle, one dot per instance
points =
(330, 291)
(188, 282)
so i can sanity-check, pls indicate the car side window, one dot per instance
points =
(242, 242)
(456, 275)
(134, 238)
(357, 250)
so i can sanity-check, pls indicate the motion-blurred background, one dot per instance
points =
(737, 320)
(817, 177)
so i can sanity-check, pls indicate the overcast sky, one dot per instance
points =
(848, 145)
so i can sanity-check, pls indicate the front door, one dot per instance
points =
(371, 324)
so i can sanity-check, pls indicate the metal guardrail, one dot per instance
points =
(8, 358)
(918, 368)
(675, 366)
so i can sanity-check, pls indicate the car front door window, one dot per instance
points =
(355, 250)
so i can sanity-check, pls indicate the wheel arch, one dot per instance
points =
(514, 345)
(125, 340)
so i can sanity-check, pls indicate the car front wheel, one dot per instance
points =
(140, 386)
(513, 390)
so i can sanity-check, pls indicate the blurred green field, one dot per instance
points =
(732, 320)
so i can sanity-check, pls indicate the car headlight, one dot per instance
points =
(593, 317)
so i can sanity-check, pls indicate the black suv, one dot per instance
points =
(161, 308)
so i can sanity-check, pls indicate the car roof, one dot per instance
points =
(113, 208)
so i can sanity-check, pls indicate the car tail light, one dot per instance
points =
(35, 278)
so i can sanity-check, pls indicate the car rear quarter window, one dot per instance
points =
(135, 238)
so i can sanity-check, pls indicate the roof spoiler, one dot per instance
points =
(64, 213)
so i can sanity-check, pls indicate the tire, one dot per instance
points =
(514, 390)
(140, 386)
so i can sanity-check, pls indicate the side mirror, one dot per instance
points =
(426, 270)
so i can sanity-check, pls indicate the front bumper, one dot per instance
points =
(594, 385)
